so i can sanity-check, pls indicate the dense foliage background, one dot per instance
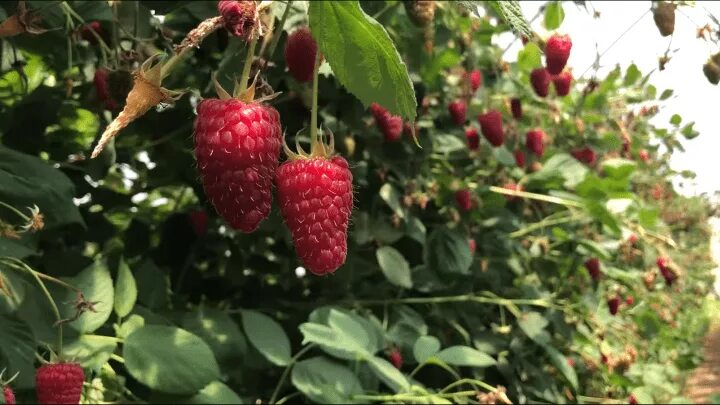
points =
(205, 315)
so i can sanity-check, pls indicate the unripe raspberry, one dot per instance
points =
(473, 139)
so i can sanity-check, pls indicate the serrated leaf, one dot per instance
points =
(512, 14)
(554, 15)
(362, 56)
(447, 251)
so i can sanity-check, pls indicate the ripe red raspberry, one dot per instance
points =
(300, 51)
(390, 125)
(464, 200)
(585, 155)
(457, 110)
(570, 362)
(59, 383)
(632, 400)
(239, 17)
(492, 127)
(513, 187)
(540, 80)
(475, 79)
(562, 83)
(632, 239)
(519, 158)
(534, 141)
(629, 300)
(315, 193)
(663, 264)
(613, 305)
(473, 139)
(472, 245)
(237, 147)
(516, 108)
(644, 155)
(198, 221)
(102, 88)
(557, 52)
(9, 395)
(593, 267)
(396, 358)
(86, 32)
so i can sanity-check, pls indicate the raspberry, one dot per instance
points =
(475, 79)
(513, 187)
(516, 108)
(540, 80)
(644, 155)
(632, 400)
(464, 200)
(519, 158)
(198, 221)
(237, 147)
(557, 52)
(534, 141)
(562, 83)
(457, 110)
(613, 305)
(585, 155)
(664, 16)
(86, 32)
(239, 17)
(492, 127)
(390, 125)
(629, 300)
(604, 359)
(473, 139)
(663, 264)
(524, 39)
(420, 12)
(396, 358)
(632, 239)
(472, 245)
(59, 383)
(102, 88)
(593, 267)
(570, 362)
(300, 51)
(315, 193)
(9, 395)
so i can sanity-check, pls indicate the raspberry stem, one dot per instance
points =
(313, 112)
(278, 33)
(248, 64)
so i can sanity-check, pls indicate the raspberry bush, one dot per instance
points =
(166, 239)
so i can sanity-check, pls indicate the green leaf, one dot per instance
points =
(465, 356)
(533, 324)
(676, 119)
(511, 12)
(504, 156)
(219, 331)
(394, 266)
(362, 56)
(267, 336)
(632, 75)
(153, 285)
(13, 248)
(689, 132)
(215, 393)
(561, 166)
(425, 347)
(97, 286)
(391, 196)
(17, 350)
(666, 94)
(325, 382)
(554, 15)
(618, 168)
(388, 374)
(529, 57)
(169, 359)
(91, 351)
(561, 363)
(125, 290)
(328, 339)
(26, 181)
(447, 251)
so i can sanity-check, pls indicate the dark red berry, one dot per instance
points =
(239, 17)
(300, 51)
(491, 126)
(475, 79)
(613, 305)
(198, 221)
(472, 245)
(464, 200)
(102, 88)
(9, 395)
(557, 52)
(562, 83)
(585, 155)
(593, 267)
(457, 110)
(390, 125)
(519, 158)
(472, 137)
(516, 108)
(396, 359)
(534, 141)
(540, 80)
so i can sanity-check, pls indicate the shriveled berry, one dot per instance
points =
(239, 17)
(540, 80)
(593, 267)
(492, 127)
(557, 52)
(534, 141)
(519, 158)
(472, 137)
(300, 51)
(391, 126)
(237, 147)
(316, 200)
(562, 83)
(516, 108)
(457, 110)
(464, 200)
(664, 16)
(59, 383)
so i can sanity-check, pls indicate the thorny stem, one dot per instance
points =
(248, 63)
(192, 40)
(314, 111)
(15, 210)
(285, 373)
(279, 30)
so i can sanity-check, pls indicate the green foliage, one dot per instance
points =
(157, 311)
